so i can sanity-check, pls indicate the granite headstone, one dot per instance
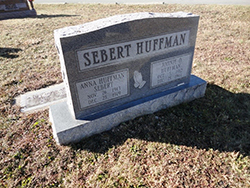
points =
(118, 68)
(15, 9)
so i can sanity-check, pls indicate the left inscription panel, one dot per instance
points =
(103, 89)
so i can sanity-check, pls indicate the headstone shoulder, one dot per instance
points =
(115, 20)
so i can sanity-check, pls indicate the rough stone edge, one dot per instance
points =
(117, 19)
(18, 14)
(79, 129)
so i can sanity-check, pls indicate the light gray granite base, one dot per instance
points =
(67, 130)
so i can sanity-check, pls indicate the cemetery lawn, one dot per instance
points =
(204, 143)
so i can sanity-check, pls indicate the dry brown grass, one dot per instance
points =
(204, 143)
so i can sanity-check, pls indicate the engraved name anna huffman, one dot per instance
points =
(103, 88)
(121, 52)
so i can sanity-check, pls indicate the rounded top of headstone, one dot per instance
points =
(117, 19)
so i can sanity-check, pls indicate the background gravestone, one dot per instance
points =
(118, 68)
(15, 9)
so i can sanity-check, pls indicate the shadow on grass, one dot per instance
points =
(41, 16)
(9, 52)
(220, 120)
(54, 16)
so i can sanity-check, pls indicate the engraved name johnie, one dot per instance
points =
(168, 70)
(134, 49)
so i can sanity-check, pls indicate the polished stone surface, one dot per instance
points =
(111, 62)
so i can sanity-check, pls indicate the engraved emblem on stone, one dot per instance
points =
(139, 82)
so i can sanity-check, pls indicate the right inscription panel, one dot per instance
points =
(167, 70)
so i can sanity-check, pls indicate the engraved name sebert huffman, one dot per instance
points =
(103, 89)
(100, 56)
